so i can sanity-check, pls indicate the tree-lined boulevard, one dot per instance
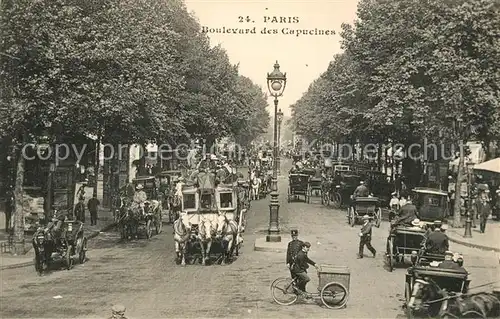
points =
(143, 275)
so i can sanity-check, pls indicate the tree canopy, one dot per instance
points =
(128, 71)
(408, 70)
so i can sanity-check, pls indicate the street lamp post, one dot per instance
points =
(276, 83)
(279, 116)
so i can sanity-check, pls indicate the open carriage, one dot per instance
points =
(406, 240)
(133, 221)
(427, 288)
(298, 185)
(364, 206)
(72, 243)
(315, 181)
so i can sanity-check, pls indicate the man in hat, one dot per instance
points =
(483, 209)
(437, 242)
(294, 247)
(365, 237)
(394, 206)
(407, 215)
(93, 206)
(449, 263)
(80, 211)
(300, 266)
(361, 191)
(140, 197)
(54, 228)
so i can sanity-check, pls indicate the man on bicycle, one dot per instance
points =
(300, 266)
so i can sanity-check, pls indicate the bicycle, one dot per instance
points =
(333, 295)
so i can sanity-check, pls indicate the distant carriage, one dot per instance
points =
(364, 206)
(169, 204)
(133, 221)
(298, 185)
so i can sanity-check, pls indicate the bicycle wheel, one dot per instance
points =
(337, 200)
(283, 292)
(334, 295)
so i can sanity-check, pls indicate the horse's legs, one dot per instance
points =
(203, 252)
(209, 247)
(183, 254)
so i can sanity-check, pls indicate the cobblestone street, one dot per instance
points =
(143, 275)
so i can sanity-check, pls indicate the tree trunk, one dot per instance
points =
(19, 248)
(97, 165)
(458, 191)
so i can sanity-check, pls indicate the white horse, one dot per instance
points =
(207, 231)
(227, 233)
(255, 185)
(182, 233)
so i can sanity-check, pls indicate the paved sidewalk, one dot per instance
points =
(489, 241)
(104, 222)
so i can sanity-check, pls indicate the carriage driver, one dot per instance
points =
(55, 228)
(361, 191)
(140, 197)
(300, 266)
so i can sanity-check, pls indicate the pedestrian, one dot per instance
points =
(483, 210)
(365, 237)
(93, 206)
(300, 266)
(294, 247)
(79, 211)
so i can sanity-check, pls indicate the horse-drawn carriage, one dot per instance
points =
(315, 181)
(298, 185)
(210, 222)
(135, 219)
(406, 240)
(364, 206)
(348, 184)
(169, 204)
(59, 246)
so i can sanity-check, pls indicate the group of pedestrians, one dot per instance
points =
(92, 206)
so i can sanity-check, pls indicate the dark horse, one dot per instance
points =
(428, 300)
(128, 220)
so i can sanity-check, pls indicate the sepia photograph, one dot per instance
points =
(249, 159)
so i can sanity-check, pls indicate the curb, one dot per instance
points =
(476, 246)
(268, 249)
(30, 263)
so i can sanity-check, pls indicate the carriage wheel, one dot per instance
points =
(149, 229)
(352, 217)
(81, 244)
(334, 295)
(390, 254)
(325, 198)
(69, 257)
(38, 264)
(283, 292)
(337, 200)
(159, 223)
(378, 217)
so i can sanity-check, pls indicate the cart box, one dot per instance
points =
(330, 273)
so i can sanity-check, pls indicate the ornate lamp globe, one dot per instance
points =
(276, 81)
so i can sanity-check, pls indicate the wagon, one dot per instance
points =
(298, 186)
(405, 241)
(333, 288)
(364, 206)
(152, 219)
(432, 280)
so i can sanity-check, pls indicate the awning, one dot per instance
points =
(490, 166)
